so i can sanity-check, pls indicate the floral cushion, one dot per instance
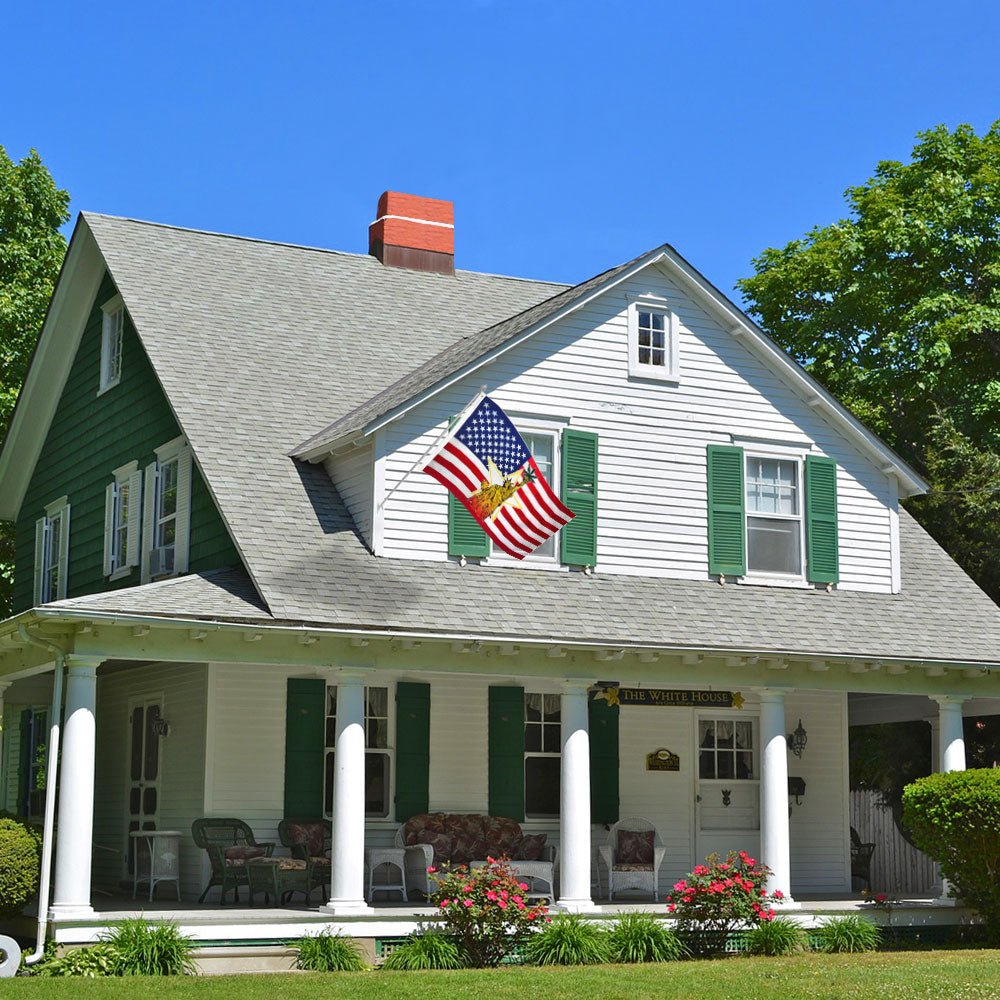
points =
(466, 848)
(320, 862)
(237, 857)
(635, 847)
(503, 836)
(285, 864)
(530, 848)
(311, 835)
(440, 842)
(464, 837)
(423, 822)
(633, 867)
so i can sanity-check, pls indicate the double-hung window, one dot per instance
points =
(378, 753)
(112, 337)
(166, 513)
(652, 339)
(52, 552)
(542, 757)
(122, 504)
(726, 749)
(774, 516)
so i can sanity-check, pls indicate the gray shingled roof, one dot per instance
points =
(255, 343)
(456, 356)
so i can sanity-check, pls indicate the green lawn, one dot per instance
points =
(956, 975)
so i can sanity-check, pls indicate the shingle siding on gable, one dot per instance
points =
(653, 436)
(91, 435)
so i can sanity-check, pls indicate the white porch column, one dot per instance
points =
(949, 755)
(951, 737)
(774, 849)
(347, 894)
(574, 807)
(74, 841)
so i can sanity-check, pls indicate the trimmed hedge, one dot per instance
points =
(954, 817)
(20, 865)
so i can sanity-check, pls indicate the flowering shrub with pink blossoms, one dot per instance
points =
(485, 909)
(720, 896)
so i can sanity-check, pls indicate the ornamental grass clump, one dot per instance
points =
(147, 948)
(325, 952)
(718, 897)
(641, 937)
(484, 910)
(847, 934)
(568, 940)
(429, 949)
(777, 937)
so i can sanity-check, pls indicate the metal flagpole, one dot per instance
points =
(457, 422)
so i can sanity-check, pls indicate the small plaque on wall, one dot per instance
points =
(662, 760)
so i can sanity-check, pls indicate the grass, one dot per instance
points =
(930, 975)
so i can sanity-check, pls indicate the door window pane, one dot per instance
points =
(541, 786)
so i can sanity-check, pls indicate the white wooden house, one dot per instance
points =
(222, 540)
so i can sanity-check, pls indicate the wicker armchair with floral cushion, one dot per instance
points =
(309, 840)
(433, 839)
(230, 845)
(632, 856)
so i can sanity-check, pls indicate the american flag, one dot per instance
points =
(489, 468)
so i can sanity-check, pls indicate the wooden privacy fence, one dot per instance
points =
(897, 866)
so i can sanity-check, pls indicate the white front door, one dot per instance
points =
(143, 772)
(727, 786)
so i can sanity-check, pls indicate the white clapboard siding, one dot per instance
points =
(182, 688)
(898, 868)
(652, 490)
(352, 473)
(11, 722)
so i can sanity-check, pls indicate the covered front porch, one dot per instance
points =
(169, 722)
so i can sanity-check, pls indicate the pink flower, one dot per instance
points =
(468, 902)
(880, 897)
(431, 869)
(700, 870)
(491, 896)
(778, 894)
(680, 886)
(503, 894)
(671, 908)
(501, 904)
(523, 886)
(468, 888)
(444, 903)
(517, 899)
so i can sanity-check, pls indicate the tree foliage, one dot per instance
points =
(32, 208)
(896, 309)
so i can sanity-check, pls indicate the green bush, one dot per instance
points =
(20, 864)
(568, 940)
(98, 960)
(780, 936)
(429, 949)
(641, 937)
(329, 953)
(147, 948)
(851, 933)
(954, 817)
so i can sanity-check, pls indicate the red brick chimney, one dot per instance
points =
(414, 232)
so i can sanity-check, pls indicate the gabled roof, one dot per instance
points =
(471, 352)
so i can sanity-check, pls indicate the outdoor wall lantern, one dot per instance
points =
(797, 740)
(160, 727)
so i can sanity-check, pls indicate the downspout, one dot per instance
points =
(51, 773)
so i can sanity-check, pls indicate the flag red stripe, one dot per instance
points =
(516, 523)
(533, 500)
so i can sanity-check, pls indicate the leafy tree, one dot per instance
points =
(32, 248)
(896, 310)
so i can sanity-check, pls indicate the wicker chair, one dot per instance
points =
(230, 844)
(624, 872)
(861, 859)
(309, 840)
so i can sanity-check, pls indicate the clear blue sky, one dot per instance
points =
(570, 136)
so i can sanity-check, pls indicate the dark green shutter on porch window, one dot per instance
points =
(578, 539)
(822, 563)
(305, 743)
(413, 749)
(506, 752)
(603, 726)
(24, 764)
(726, 511)
(465, 537)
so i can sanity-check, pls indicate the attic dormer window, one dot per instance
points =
(112, 335)
(652, 340)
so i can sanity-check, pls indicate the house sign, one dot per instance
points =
(670, 699)
(662, 760)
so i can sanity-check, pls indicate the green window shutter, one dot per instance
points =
(603, 726)
(465, 537)
(578, 539)
(305, 746)
(727, 552)
(506, 752)
(24, 763)
(822, 561)
(413, 749)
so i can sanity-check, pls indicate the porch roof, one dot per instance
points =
(939, 615)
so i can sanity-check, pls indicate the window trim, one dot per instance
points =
(636, 369)
(761, 577)
(112, 328)
(57, 510)
(744, 716)
(549, 754)
(389, 750)
(121, 566)
(178, 449)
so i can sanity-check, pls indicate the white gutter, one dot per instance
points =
(572, 645)
(51, 774)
